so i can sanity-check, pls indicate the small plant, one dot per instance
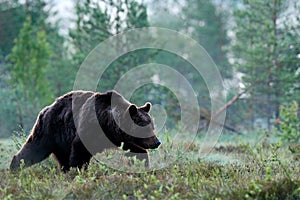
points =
(289, 126)
(18, 138)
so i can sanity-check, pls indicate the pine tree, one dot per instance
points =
(263, 55)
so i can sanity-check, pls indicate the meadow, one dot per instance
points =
(250, 166)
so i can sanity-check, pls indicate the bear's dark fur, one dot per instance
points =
(70, 130)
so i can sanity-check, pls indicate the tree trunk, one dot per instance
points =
(269, 111)
(252, 116)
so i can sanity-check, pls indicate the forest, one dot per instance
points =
(222, 78)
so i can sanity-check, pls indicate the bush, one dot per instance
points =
(289, 126)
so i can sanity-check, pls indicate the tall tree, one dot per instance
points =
(60, 72)
(28, 61)
(205, 20)
(263, 55)
(92, 27)
(96, 22)
(136, 16)
(11, 21)
(12, 16)
(208, 25)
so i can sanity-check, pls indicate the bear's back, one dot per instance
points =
(60, 112)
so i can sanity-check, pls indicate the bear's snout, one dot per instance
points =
(148, 143)
(14, 164)
(155, 144)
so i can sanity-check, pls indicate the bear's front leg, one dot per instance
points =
(80, 156)
(139, 152)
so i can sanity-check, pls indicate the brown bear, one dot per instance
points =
(80, 124)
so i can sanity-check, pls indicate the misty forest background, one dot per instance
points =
(255, 44)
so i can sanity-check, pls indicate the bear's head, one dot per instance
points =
(139, 128)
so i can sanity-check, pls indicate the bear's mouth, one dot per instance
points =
(138, 146)
(147, 146)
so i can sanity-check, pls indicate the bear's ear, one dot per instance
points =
(146, 107)
(132, 109)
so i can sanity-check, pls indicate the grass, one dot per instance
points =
(237, 168)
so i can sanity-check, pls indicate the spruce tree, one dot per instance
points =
(28, 63)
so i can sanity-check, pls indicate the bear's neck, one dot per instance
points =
(110, 123)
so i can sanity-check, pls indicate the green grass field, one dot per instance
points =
(238, 168)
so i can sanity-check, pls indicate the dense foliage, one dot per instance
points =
(254, 44)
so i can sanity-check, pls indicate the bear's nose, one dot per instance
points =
(157, 143)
